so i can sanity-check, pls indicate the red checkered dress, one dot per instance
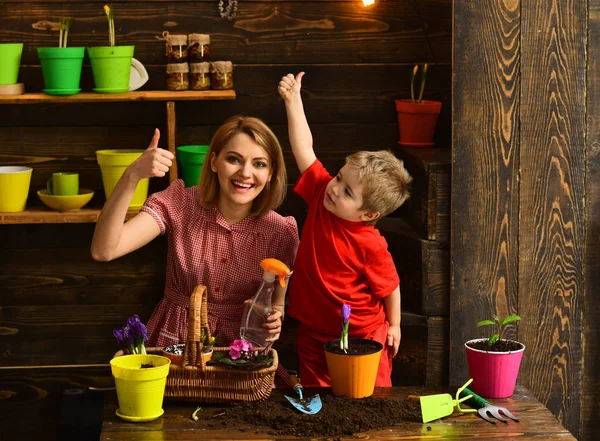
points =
(204, 249)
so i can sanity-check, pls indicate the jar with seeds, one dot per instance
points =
(199, 76)
(198, 48)
(221, 73)
(177, 76)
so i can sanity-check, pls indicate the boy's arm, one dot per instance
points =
(392, 310)
(299, 132)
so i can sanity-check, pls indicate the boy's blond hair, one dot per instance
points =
(385, 181)
(274, 192)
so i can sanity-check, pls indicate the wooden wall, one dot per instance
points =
(57, 306)
(525, 193)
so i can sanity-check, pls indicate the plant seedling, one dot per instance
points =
(413, 75)
(501, 326)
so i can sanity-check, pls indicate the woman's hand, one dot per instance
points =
(154, 162)
(273, 325)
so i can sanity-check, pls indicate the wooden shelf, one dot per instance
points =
(42, 215)
(92, 97)
(39, 215)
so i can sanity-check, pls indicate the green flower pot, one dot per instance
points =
(10, 61)
(111, 68)
(191, 158)
(61, 68)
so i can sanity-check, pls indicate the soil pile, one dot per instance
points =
(339, 416)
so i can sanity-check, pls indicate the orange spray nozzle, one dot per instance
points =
(277, 267)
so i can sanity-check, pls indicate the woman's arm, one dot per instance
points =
(113, 238)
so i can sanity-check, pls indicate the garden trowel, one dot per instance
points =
(309, 405)
(441, 405)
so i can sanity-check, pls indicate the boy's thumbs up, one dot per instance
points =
(155, 139)
(299, 77)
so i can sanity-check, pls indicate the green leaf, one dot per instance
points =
(485, 323)
(241, 361)
(510, 319)
(493, 339)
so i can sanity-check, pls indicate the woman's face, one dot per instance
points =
(243, 168)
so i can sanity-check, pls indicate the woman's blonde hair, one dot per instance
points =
(273, 194)
(385, 181)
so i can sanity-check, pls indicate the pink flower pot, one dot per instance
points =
(494, 374)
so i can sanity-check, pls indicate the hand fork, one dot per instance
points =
(483, 407)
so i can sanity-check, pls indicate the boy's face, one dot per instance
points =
(344, 197)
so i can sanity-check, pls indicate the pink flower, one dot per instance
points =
(241, 345)
(234, 353)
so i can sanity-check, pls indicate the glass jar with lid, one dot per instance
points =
(199, 76)
(221, 73)
(177, 47)
(198, 48)
(177, 76)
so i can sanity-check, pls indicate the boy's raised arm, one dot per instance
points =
(299, 132)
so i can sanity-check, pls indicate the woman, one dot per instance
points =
(218, 231)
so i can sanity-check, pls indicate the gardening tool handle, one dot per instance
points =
(475, 401)
(295, 383)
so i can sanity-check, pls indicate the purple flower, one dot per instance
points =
(120, 336)
(133, 335)
(346, 309)
(234, 353)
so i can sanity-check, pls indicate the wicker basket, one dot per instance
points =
(195, 381)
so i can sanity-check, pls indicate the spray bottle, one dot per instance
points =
(259, 307)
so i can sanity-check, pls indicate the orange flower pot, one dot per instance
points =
(353, 375)
(417, 122)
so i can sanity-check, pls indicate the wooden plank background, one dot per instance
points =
(522, 201)
(58, 307)
(485, 194)
(590, 387)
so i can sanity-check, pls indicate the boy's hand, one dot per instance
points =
(290, 86)
(393, 338)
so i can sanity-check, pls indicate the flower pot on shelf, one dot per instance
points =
(10, 61)
(111, 68)
(61, 69)
(112, 165)
(417, 122)
(140, 380)
(494, 374)
(353, 374)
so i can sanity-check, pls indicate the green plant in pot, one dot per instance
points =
(352, 363)
(140, 378)
(494, 362)
(417, 118)
(61, 66)
(111, 65)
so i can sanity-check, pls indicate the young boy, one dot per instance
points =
(342, 258)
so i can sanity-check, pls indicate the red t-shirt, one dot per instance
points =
(338, 262)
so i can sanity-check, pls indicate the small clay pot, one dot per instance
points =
(174, 353)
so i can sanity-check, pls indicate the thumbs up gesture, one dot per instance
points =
(154, 162)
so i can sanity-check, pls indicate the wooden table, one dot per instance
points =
(536, 423)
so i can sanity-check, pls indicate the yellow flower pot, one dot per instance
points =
(14, 188)
(353, 375)
(112, 166)
(140, 390)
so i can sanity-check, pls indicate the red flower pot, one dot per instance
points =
(417, 122)
(494, 374)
